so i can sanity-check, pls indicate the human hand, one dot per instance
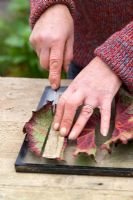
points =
(52, 38)
(95, 86)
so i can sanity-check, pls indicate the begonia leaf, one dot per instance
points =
(37, 128)
(86, 140)
(123, 131)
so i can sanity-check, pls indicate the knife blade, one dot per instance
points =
(56, 94)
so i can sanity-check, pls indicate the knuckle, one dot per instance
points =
(55, 62)
(73, 87)
(106, 106)
(107, 98)
(66, 121)
(40, 38)
(105, 110)
(48, 38)
(53, 76)
(55, 39)
(85, 114)
(70, 105)
(37, 38)
(32, 39)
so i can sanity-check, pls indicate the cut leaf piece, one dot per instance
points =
(123, 125)
(37, 128)
(55, 146)
(86, 140)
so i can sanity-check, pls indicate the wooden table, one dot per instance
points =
(18, 97)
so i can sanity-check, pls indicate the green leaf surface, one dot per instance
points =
(37, 128)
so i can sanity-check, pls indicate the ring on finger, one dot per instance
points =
(88, 108)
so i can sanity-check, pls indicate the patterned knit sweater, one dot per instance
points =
(103, 28)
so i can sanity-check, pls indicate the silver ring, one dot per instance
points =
(88, 108)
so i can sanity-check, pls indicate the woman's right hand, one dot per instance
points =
(53, 38)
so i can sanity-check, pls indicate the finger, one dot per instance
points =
(80, 123)
(59, 113)
(105, 111)
(44, 58)
(60, 108)
(56, 62)
(68, 56)
(69, 112)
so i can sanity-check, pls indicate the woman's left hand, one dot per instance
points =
(95, 86)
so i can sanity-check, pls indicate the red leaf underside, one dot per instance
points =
(86, 140)
(123, 131)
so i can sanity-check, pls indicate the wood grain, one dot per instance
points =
(18, 97)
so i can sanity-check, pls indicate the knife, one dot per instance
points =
(55, 97)
(51, 95)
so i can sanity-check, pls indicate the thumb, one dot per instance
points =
(56, 62)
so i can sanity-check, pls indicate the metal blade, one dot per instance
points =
(56, 95)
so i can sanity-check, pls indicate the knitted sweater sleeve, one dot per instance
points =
(117, 53)
(38, 7)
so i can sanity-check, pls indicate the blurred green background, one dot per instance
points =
(17, 58)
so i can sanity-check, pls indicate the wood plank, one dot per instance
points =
(54, 145)
(37, 193)
(8, 176)
(18, 97)
(11, 137)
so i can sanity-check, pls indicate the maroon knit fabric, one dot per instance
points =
(103, 28)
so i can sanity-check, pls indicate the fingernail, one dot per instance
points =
(56, 126)
(63, 131)
(104, 132)
(72, 135)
